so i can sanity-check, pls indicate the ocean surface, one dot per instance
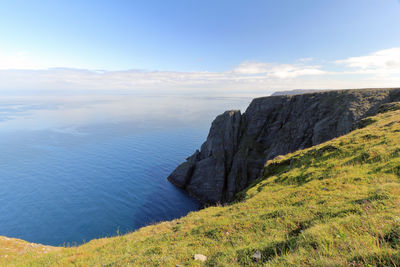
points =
(75, 168)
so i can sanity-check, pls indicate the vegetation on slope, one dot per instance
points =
(337, 203)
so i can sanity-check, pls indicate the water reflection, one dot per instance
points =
(64, 113)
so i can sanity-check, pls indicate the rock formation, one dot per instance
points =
(238, 145)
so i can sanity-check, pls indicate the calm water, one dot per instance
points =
(74, 168)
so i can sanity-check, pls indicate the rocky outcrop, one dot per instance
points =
(238, 145)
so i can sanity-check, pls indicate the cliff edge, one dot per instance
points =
(238, 145)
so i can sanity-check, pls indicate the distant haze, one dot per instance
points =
(295, 92)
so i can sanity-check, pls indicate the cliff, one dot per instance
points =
(238, 145)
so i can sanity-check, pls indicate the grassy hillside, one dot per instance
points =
(334, 204)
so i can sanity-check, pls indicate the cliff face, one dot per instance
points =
(238, 145)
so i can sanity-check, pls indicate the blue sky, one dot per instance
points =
(189, 36)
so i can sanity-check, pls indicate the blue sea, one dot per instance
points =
(75, 168)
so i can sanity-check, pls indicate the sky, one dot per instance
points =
(187, 46)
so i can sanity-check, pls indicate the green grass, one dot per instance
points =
(337, 203)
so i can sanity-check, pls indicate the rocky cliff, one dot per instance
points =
(238, 145)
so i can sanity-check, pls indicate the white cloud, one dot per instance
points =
(293, 71)
(383, 62)
(282, 71)
(306, 59)
(19, 60)
(249, 67)
(379, 69)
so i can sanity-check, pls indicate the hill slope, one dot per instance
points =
(337, 203)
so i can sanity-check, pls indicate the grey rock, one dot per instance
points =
(200, 257)
(257, 255)
(238, 145)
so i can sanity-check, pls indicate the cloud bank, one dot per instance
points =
(378, 69)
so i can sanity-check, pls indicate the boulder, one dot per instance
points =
(200, 257)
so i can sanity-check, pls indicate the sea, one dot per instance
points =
(79, 167)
